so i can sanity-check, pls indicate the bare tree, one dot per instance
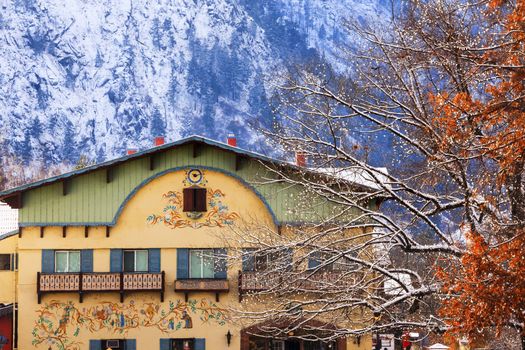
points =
(363, 270)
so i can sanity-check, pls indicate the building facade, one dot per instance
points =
(133, 253)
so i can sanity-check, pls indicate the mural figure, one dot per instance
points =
(188, 323)
(59, 323)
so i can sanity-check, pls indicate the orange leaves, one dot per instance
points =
(490, 289)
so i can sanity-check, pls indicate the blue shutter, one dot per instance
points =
(154, 260)
(248, 260)
(115, 260)
(200, 344)
(183, 263)
(48, 260)
(220, 263)
(314, 260)
(86, 260)
(165, 344)
(131, 344)
(95, 345)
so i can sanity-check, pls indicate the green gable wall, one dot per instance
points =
(92, 201)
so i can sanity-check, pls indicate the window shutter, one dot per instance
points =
(165, 344)
(220, 267)
(248, 260)
(183, 262)
(154, 260)
(95, 344)
(86, 260)
(200, 344)
(131, 344)
(314, 260)
(200, 199)
(48, 260)
(188, 200)
(115, 260)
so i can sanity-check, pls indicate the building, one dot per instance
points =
(129, 254)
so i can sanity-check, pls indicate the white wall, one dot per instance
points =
(8, 219)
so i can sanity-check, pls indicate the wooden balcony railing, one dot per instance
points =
(89, 282)
(202, 285)
(259, 281)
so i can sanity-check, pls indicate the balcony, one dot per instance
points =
(202, 285)
(98, 282)
(306, 281)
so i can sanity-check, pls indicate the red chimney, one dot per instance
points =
(131, 151)
(300, 159)
(232, 140)
(159, 141)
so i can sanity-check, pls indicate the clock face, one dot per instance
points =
(194, 176)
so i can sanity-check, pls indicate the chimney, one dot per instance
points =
(232, 140)
(159, 141)
(131, 151)
(300, 159)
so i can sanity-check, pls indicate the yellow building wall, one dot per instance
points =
(61, 322)
(8, 278)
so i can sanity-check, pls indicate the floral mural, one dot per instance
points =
(217, 214)
(59, 323)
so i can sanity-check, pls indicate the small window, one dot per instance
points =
(263, 261)
(135, 261)
(67, 261)
(119, 344)
(202, 263)
(182, 344)
(5, 262)
(341, 264)
(194, 199)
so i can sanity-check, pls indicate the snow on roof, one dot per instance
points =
(360, 176)
(394, 288)
(8, 219)
(438, 346)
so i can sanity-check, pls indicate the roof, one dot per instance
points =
(144, 153)
(349, 175)
(371, 177)
(9, 234)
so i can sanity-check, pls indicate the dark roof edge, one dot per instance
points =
(149, 151)
(8, 234)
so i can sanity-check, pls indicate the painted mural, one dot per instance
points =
(59, 323)
(217, 215)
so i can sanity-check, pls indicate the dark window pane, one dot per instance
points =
(129, 261)
(5, 262)
(182, 344)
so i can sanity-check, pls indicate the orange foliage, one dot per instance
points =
(488, 289)
(491, 125)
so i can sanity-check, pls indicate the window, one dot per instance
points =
(5, 262)
(201, 263)
(341, 264)
(119, 344)
(194, 199)
(182, 344)
(264, 261)
(67, 261)
(135, 261)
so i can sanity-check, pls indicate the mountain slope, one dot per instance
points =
(95, 78)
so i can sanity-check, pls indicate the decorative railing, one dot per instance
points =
(88, 282)
(306, 281)
(202, 285)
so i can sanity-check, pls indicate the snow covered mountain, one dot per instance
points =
(96, 77)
